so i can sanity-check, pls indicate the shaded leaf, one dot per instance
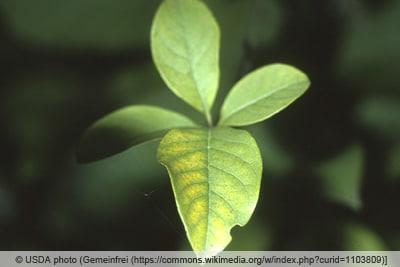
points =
(358, 237)
(262, 93)
(184, 43)
(341, 177)
(215, 174)
(127, 127)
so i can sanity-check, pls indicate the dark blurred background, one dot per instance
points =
(331, 160)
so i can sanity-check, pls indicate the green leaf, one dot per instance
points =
(185, 45)
(262, 93)
(358, 237)
(127, 127)
(215, 174)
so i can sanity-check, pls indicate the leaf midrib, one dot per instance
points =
(188, 57)
(208, 184)
(258, 99)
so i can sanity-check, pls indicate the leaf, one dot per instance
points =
(262, 93)
(358, 237)
(341, 177)
(127, 127)
(215, 174)
(185, 45)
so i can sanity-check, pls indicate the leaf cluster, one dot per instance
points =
(215, 170)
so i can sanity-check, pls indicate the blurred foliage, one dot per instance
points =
(91, 24)
(65, 64)
(370, 46)
(341, 177)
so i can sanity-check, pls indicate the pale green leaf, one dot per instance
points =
(127, 127)
(262, 93)
(215, 174)
(185, 45)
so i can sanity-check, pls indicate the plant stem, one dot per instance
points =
(209, 119)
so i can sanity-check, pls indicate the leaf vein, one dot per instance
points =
(232, 154)
(260, 98)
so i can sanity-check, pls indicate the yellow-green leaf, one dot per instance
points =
(127, 127)
(262, 93)
(185, 44)
(215, 174)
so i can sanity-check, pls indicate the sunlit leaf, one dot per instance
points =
(215, 174)
(127, 127)
(184, 43)
(262, 93)
(341, 177)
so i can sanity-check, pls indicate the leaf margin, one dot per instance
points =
(262, 72)
(207, 97)
(109, 128)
